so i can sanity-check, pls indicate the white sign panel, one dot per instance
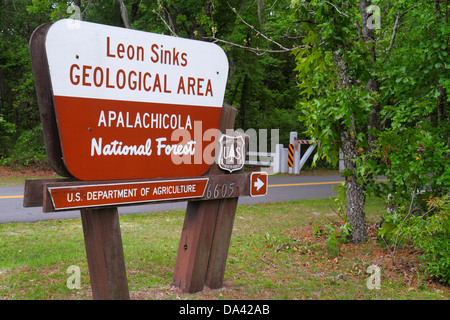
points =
(98, 61)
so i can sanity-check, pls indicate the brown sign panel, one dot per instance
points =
(258, 184)
(89, 196)
(107, 139)
(127, 104)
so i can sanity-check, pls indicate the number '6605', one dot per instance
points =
(220, 191)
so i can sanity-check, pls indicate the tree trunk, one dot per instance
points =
(4, 32)
(261, 9)
(374, 116)
(124, 14)
(354, 190)
(373, 84)
(243, 101)
(442, 105)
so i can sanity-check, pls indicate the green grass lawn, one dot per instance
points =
(276, 252)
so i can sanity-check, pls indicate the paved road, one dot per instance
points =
(280, 189)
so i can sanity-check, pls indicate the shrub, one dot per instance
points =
(432, 236)
(7, 131)
(428, 232)
(336, 235)
(29, 149)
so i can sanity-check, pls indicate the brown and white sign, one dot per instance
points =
(258, 184)
(132, 104)
(90, 196)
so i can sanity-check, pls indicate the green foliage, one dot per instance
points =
(18, 105)
(429, 232)
(29, 149)
(432, 236)
(336, 235)
(415, 159)
(400, 126)
(333, 245)
(7, 130)
(413, 149)
(325, 109)
(340, 199)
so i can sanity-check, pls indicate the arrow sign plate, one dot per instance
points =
(258, 184)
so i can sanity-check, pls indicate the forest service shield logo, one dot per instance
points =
(231, 153)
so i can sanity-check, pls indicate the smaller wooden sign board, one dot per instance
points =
(63, 194)
(98, 195)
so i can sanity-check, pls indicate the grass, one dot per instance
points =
(275, 253)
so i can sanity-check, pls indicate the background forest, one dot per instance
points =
(368, 78)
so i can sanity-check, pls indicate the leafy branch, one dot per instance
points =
(259, 33)
(214, 39)
(172, 32)
(396, 26)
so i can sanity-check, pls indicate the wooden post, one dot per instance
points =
(222, 237)
(104, 253)
(206, 234)
(195, 245)
(221, 242)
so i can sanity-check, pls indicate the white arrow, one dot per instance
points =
(258, 184)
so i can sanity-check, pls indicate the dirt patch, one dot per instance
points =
(25, 171)
(403, 266)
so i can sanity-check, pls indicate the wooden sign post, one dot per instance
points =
(127, 117)
(206, 234)
(104, 253)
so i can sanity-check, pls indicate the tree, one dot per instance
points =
(357, 98)
(18, 106)
(414, 146)
(333, 76)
